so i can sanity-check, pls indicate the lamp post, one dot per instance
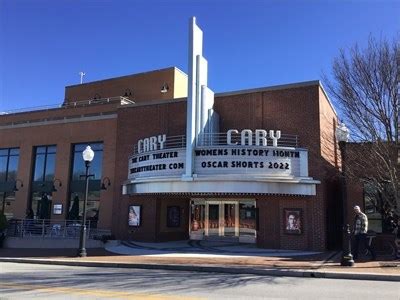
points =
(88, 156)
(342, 135)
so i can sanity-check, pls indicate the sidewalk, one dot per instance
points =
(213, 257)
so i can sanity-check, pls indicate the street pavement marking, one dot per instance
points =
(90, 292)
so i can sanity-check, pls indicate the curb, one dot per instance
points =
(210, 269)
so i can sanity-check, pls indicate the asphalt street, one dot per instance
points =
(29, 281)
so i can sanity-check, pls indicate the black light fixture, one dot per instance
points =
(342, 136)
(128, 93)
(164, 88)
(53, 188)
(105, 183)
(88, 155)
(21, 184)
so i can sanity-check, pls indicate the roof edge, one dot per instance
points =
(270, 88)
(180, 71)
(327, 98)
(153, 102)
(124, 76)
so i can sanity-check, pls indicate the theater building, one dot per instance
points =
(180, 162)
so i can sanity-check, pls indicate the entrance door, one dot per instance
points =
(231, 220)
(213, 218)
(222, 219)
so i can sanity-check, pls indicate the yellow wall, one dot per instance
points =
(180, 84)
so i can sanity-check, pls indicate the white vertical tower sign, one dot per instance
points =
(200, 98)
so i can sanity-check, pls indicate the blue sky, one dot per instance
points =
(248, 44)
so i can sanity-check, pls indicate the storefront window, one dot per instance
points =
(41, 205)
(197, 218)
(9, 159)
(247, 218)
(78, 165)
(377, 212)
(43, 176)
(8, 199)
(75, 209)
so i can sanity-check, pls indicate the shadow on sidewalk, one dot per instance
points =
(55, 253)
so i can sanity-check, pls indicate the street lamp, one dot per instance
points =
(342, 135)
(88, 156)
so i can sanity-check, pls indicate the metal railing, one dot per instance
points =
(69, 229)
(70, 104)
(220, 139)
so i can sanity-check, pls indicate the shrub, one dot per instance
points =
(3, 222)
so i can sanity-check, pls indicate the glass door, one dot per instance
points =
(197, 220)
(214, 222)
(222, 219)
(247, 221)
(230, 220)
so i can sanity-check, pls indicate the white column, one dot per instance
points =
(195, 49)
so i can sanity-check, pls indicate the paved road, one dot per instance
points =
(28, 281)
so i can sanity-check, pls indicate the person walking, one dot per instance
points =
(360, 233)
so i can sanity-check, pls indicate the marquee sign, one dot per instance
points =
(151, 143)
(260, 137)
(248, 161)
(169, 162)
(153, 160)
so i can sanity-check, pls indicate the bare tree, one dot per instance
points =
(364, 86)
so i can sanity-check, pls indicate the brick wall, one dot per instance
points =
(63, 135)
(143, 87)
(300, 110)
(293, 111)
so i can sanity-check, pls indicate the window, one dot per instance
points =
(375, 208)
(41, 205)
(78, 165)
(9, 164)
(75, 211)
(9, 158)
(372, 204)
(45, 160)
(77, 193)
(247, 218)
(43, 172)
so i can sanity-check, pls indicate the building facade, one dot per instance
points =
(253, 166)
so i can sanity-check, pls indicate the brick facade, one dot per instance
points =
(298, 109)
